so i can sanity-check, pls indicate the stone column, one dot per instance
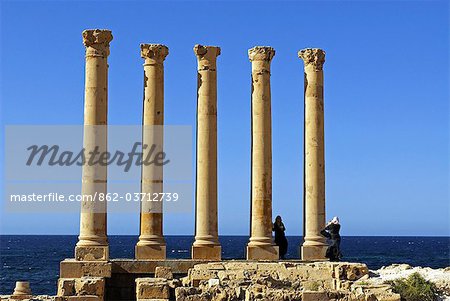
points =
(151, 244)
(314, 245)
(93, 242)
(206, 245)
(261, 245)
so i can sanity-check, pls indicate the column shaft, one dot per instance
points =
(93, 241)
(314, 245)
(261, 244)
(151, 244)
(206, 245)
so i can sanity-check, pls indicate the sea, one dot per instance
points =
(36, 258)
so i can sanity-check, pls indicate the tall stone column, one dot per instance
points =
(206, 245)
(151, 244)
(93, 242)
(261, 245)
(314, 245)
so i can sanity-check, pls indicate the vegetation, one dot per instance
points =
(415, 288)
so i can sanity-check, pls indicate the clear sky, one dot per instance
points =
(386, 100)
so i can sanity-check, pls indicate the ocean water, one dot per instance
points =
(36, 258)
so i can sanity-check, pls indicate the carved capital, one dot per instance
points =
(206, 56)
(156, 52)
(314, 57)
(261, 53)
(97, 42)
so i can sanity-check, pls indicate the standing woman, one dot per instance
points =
(331, 232)
(280, 237)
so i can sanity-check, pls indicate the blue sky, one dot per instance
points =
(386, 100)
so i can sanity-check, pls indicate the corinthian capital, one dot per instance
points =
(313, 56)
(97, 41)
(206, 56)
(156, 52)
(261, 53)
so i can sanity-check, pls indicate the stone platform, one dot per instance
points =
(116, 278)
(185, 280)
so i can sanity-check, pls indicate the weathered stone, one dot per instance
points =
(151, 244)
(186, 293)
(94, 286)
(212, 282)
(206, 245)
(314, 245)
(152, 288)
(66, 286)
(22, 290)
(78, 298)
(70, 268)
(93, 243)
(275, 281)
(314, 296)
(195, 276)
(261, 245)
(163, 272)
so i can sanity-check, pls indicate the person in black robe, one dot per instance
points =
(280, 237)
(331, 232)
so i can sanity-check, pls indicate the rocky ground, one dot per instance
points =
(440, 277)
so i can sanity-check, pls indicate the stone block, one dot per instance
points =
(197, 275)
(187, 294)
(241, 265)
(66, 287)
(19, 297)
(314, 296)
(150, 252)
(78, 298)
(92, 253)
(206, 252)
(263, 252)
(70, 268)
(313, 252)
(147, 266)
(152, 288)
(213, 282)
(93, 286)
(163, 272)
(216, 266)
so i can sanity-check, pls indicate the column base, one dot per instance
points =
(269, 252)
(313, 252)
(206, 252)
(150, 252)
(92, 253)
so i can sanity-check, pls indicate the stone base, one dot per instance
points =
(19, 297)
(78, 298)
(152, 289)
(71, 268)
(314, 296)
(312, 253)
(157, 252)
(92, 253)
(270, 252)
(206, 252)
(80, 287)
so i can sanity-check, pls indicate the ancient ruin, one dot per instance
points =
(151, 244)
(93, 241)
(314, 245)
(92, 275)
(206, 244)
(261, 245)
